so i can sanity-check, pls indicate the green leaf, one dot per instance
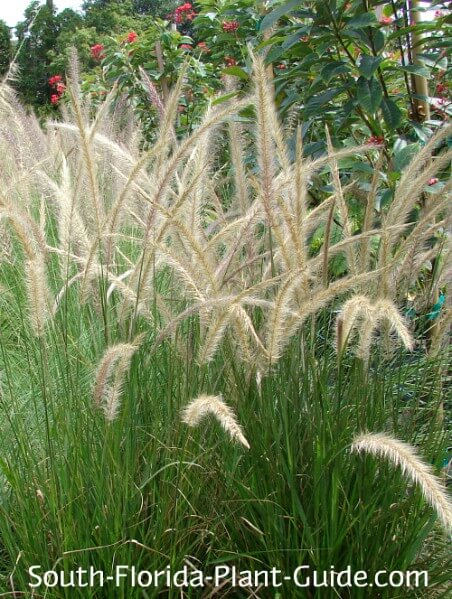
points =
(275, 53)
(293, 39)
(332, 69)
(364, 20)
(415, 69)
(272, 17)
(404, 156)
(391, 113)
(378, 39)
(423, 133)
(224, 98)
(313, 105)
(236, 72)
(434, 60)
(368, 65)
(372, 37)
(369, 94)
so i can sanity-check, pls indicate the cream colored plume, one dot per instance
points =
(215, 405)
(110, 376)
(38, 294)
(404, 456)
(360, 312)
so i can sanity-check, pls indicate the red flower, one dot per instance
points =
(183, 13)
(96, 51)
(305, 38)
(185, 47)
(282, 66)
(439, 14)
(433, 181)
(230, 62)
(54, 99)
(230, 26)
(60, 88)
(203, 47)
(131, 37)
(55, 79)
(441, 88)
(376, 140)
(385, 20)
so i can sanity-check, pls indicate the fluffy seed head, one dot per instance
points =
(215, 405)
(110, 377)
(404, 456)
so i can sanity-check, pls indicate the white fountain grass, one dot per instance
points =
(404, 456)
(204, 405)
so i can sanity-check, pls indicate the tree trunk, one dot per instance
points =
(422, 107)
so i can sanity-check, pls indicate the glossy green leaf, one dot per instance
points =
(314, 104)
(391, 113)
(272, 17)
(415, 69)
(333, 68)
(369, 94)
(369, 64)
(236, 72)
(364, 20)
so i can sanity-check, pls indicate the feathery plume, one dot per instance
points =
(200, 407)
(359, 308)
(38, 293)
(404, 456)
(111, 372)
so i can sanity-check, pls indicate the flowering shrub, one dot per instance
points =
(227, 28)
(183, 14)
(131, 37)
(230, 26)
(353, 73)
(161, 52)
(54, 80)
(58, 87)
(97, 51)
(376, 140)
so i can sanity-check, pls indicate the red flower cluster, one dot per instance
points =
(433, 181)
(184, 13)
(230, 26)
(203, 47)
(97, 51)
(385, 20)
(376, 140)
(131, 37)
(185, 47)
(230, 61)
(441, 88)
(57, 83)
(54, 80)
